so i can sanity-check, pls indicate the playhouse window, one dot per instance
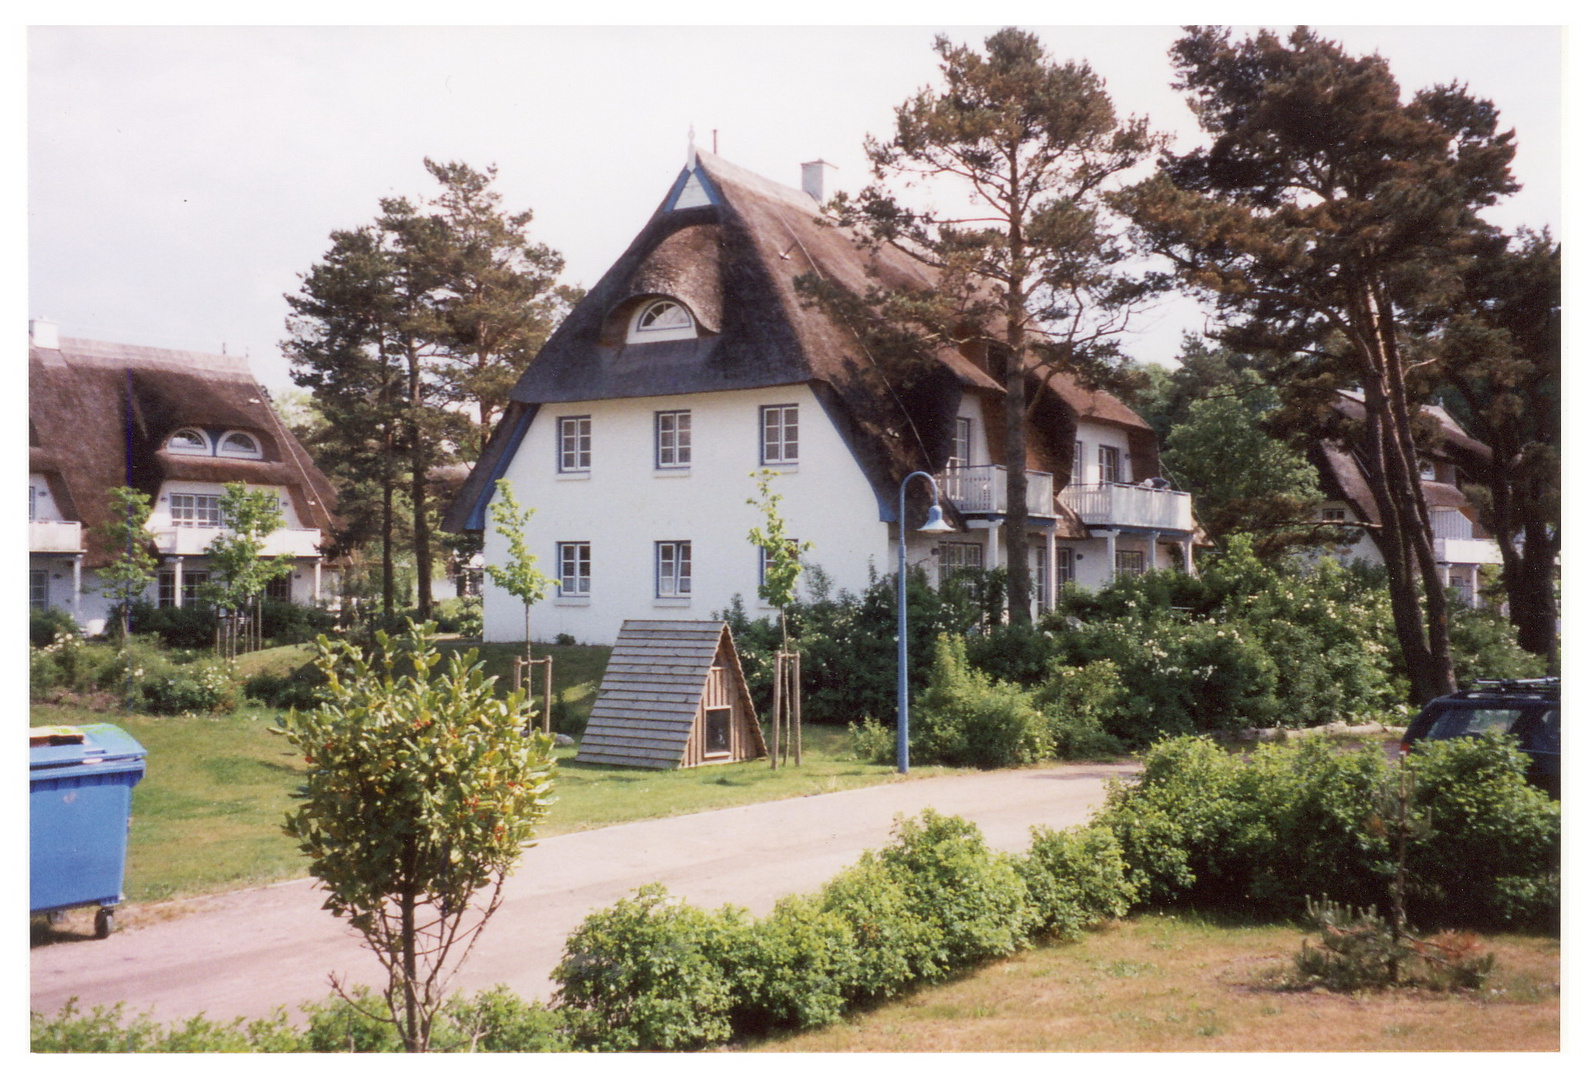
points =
(716, 731)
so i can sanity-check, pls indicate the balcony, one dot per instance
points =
(1464, 550)
(1130, 506)
(55, 536)
(982, 489)
(193, 540)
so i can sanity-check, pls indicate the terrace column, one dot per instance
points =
(177, 581)
(1187, 546)
(1151, 551)
(1049, 600)
(315, 595)
(77, 583)
(1112, 555)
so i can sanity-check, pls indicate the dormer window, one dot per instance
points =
(188, 441)
(662, 320)
(239, 444)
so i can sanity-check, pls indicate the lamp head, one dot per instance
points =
(935, 523)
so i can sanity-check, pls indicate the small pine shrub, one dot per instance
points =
(873, 742)
(1356, 949)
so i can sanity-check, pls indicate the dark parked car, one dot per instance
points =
(1528, 709)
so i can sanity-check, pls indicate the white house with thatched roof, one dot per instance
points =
(178, 426)
(695, 362)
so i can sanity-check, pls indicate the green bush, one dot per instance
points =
(966, 718)
(460, 615)
(1201, 826)
(189, 627)
(1074, 701)
(1076, 879)
(972, 900)
(47, 624)
(873, 742)
(890, 943)
(201, 686)
(1484, 646)
(287, 623)
(645, 974)
(796, 969)
(298, 689)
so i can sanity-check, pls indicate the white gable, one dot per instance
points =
(693, 194)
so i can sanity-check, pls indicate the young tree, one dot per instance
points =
(1500, 357)
(132, 567)
(419, 798)
(1323, 213)
(782, 554)
(519, 576)
(239, 573)
(1035, 269)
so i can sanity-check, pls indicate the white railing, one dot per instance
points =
(193, 540)
(1451, 524)
(1130, 505)
(982, 489)
(1449, 549)
(55, 536)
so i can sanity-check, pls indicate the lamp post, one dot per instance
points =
(933, 523)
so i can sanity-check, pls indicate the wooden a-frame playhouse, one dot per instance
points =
(673, 697)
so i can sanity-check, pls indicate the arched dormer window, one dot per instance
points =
(662, 320)
(188, 441)
(239, 444)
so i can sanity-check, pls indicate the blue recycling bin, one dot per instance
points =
(80, 788)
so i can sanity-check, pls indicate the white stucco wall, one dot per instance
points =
(623, 505)
(1094, 436)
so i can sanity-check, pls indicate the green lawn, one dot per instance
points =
(1186, 984)
(207, 816)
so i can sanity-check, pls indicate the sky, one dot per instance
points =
(180, 178)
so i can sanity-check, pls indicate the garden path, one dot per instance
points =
(244, 953)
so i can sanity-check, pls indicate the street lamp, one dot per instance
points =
(933, 523)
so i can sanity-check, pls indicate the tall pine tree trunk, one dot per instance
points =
(419, 460)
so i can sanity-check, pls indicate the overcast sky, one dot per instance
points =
(179, 179)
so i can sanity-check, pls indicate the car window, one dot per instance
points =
(1462, 720)
(1544, 736)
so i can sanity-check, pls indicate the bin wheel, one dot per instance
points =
(55, 918)
(104, 922)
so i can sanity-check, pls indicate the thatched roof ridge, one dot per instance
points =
(735, 263)
(78, 407)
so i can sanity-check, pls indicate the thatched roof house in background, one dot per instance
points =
(673, 697)
(177, 426)
(698, 358)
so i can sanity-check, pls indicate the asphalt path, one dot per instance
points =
(245, 953)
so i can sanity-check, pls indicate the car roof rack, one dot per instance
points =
(1544, 687)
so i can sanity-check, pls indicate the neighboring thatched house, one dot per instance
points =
(673, 697)
(1461, 544)
(695, 361)
(178, 426)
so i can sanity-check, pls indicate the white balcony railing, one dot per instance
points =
(1449, 549)
(192, 540)
(982, 489)
(61, 536)
(1130, 505)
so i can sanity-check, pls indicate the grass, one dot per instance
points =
(207, 816)
(1180, 983)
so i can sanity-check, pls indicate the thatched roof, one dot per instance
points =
(1344, 479)
(735, 263)
(99, 415)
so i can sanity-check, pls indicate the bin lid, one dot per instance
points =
(56, 747)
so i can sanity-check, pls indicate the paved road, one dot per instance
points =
(244, 953)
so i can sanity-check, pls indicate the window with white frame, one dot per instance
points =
(779, 424)
(962, 444)
(1079, 464)
(672, 439)
(1107, 461)
(166, 587)
(33, 503)
(1333, 513)
(1065, 565)
(239, 444)
(196, 511)
(952, 556)
(279, 588)
(38, 588)
(673, 559)
(662, 320)
(1129, 563)
(575, 568)
(575, 443)
(188, 441)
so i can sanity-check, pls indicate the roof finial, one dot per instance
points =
(691, 147)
